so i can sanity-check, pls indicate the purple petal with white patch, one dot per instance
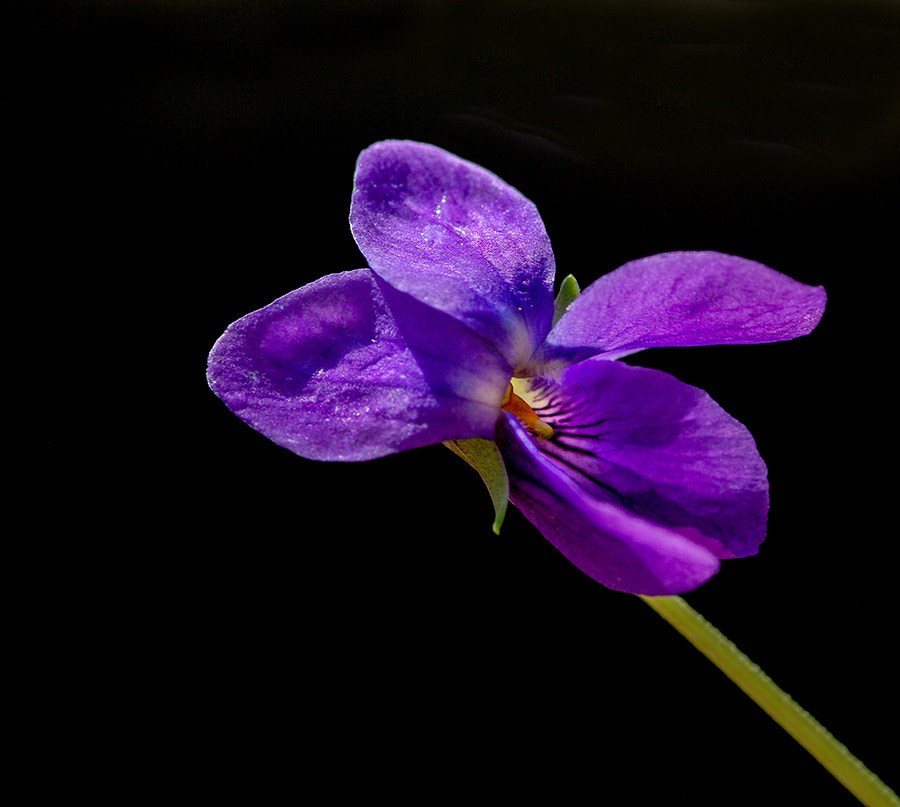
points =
(348, 368)
(459, 239)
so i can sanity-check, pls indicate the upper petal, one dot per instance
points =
(458, 238)
(680, 299)
(348, 368)
(618, 549)
(661, 449)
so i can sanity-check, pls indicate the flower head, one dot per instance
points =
(452, 335)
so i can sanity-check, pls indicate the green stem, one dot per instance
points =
(804, 728)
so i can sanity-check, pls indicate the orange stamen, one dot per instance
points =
(515, 405)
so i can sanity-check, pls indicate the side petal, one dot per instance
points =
(661, 449)
(616, 548)
(681, 299)
(348, 368)
(458, 238)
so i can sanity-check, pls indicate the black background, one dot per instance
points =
(225, 611)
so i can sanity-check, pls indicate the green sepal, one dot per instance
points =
(568, 291)
(485, 457)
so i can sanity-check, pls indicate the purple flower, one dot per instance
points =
(453, 336)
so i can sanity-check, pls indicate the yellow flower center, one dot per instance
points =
(517, 406)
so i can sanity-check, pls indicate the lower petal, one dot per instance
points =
(659, 448)
(348, 368)
(616, 548)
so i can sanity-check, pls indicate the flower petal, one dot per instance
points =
(659, 448)
(616, 548)
(680, 299)
(348, 368)
(458, 238)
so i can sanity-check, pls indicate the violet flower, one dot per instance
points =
(452, 335)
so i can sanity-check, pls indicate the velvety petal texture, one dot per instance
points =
(348, 368)
(681, 299)
(458, 238)
(618, 549)
(644, 483)
(658, 448)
